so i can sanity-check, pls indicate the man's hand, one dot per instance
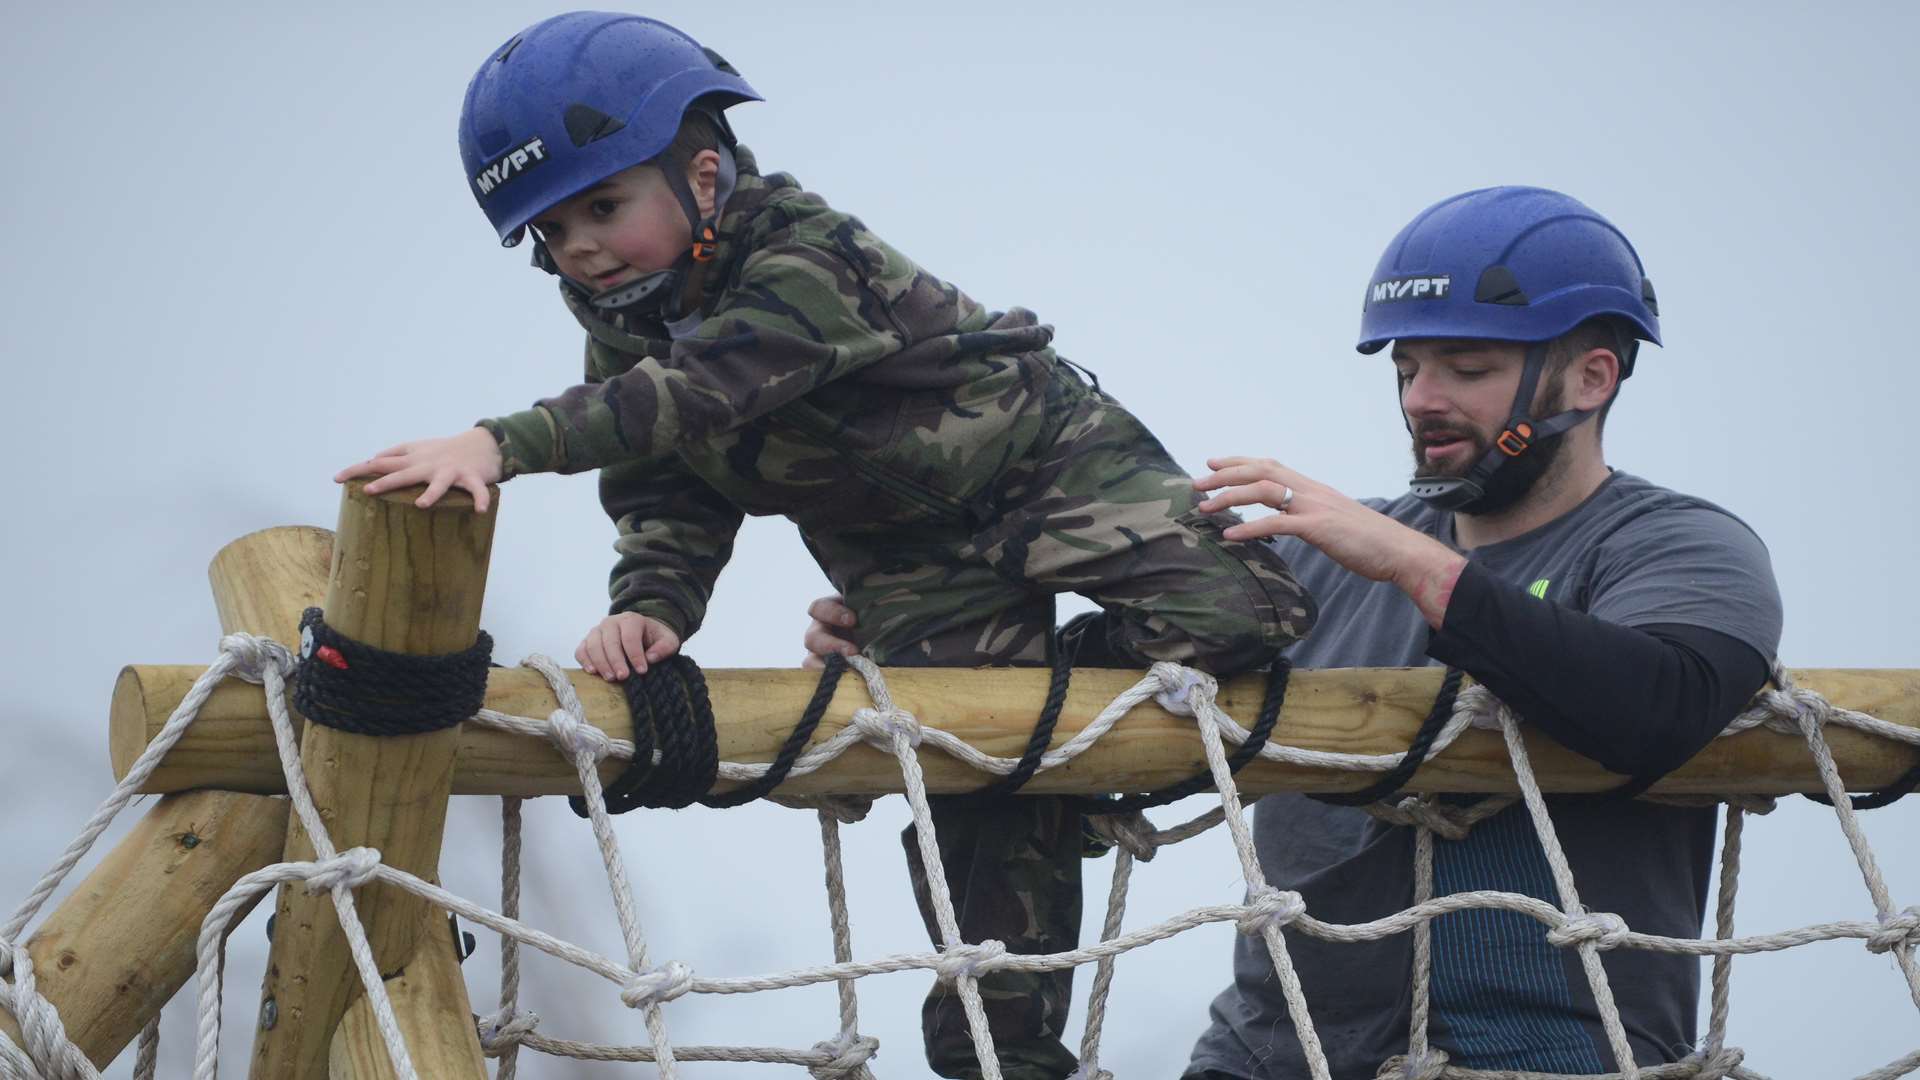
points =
(825, 635)
(1364, 541)
(469, 461)
(625, 644)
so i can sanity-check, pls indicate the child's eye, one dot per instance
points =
(603, 207)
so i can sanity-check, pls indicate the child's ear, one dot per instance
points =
(703, 173)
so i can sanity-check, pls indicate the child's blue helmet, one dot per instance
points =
(570, 101)
(1518, 264)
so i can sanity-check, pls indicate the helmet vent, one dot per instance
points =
(1497, 286)
(508, 51)
(586, 123)
(1647, 297)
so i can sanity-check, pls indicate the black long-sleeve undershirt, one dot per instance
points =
(1639, 700)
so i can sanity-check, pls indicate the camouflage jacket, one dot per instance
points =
(831, 381)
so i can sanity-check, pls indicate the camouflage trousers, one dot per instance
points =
(1104, 512)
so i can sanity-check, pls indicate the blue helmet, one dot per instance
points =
(1517, 264)
(1506, 264)
(570, 101)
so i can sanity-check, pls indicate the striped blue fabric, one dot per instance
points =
(1500, 990)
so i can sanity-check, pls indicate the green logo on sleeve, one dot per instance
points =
(1538, 590)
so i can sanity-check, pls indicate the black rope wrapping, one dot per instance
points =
(1067, 645)
(671, 711)
(351, 686)
(1902, 787)
(1396, 778)
(1270, 704)
(790, 751)
(671, 716)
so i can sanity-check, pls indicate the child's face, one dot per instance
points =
(621, 228)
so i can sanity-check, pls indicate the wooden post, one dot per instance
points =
(124, 942)
(411, 581)
(1349, 710)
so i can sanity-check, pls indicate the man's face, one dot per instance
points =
(1457, 396)
(624, 227)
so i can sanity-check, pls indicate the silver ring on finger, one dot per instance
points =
(1286, 498)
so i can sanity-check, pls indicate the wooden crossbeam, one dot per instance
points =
(1352, 710)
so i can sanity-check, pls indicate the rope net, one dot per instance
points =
(45, 1051)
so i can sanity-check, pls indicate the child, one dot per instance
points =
(752, 351)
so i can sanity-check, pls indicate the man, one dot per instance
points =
(1625, 620)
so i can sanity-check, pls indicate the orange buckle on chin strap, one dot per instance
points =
(705, 245)
(1514, 441)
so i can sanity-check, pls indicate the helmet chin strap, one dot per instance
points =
(655, 295)
(1462, 493)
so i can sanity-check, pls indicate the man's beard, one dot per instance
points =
(1510, 482)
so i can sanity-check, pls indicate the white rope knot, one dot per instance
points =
(1603, 929)
(253, 655)
(1790, 705)
(575, 737)
(657, 986)
(1480, 706)
(1896, 931)
(1090, 1072)
(1446, 822)
(849, 1056)
(1131, 832)
(878, 726)
(970, 961)
(1430, 1064)
(1182, 689)
(353, 868)
(1717, 1066)
(1273, 907)
(504, 1029)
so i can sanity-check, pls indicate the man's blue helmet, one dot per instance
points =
(570, 101)
(1518, 264)
(1514, 264)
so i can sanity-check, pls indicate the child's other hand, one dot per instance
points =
(469, 461)
(625, 643)
(827, 633)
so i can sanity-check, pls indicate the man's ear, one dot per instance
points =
(703, 173)
(1595, 375)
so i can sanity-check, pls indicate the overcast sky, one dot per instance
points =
(242, 255)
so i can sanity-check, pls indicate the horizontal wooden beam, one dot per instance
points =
(1351, 710)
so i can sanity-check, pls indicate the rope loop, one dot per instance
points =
(1602, 929)
(1896, 931)
(657, 986)
(1268, 906)
(253, 655)
(1132, 833)
(970, 961)
(353, 868)
(1718, 1065)
(878, 726)
(504, 1029)
(1430, 1064)
(575, 736)
(849, 1055)
(1183, 690)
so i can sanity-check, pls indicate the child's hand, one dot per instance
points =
(826, 634)
(469, 461)
(625, 642)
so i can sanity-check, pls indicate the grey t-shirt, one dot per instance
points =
(1634, 554)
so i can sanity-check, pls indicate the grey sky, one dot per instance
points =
(242, 255)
